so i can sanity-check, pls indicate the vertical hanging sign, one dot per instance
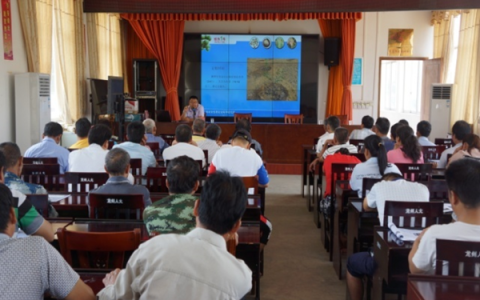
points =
(7, 30)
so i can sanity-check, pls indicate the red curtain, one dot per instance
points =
(164, 39)
(348, 51)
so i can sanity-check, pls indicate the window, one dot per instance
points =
(452, 61)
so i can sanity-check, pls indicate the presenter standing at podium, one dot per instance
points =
(193, 110)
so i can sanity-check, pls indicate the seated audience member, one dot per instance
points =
(423, 132)
(117, 165)
(151, 130)
(244, 124)
(393, 188)
(381, 128)
(375, 166)
(470, 147)
(49, 146)
(198, 128)
(393, 133)
(403, 122)
(464, 194)
(136, 146)
(341, 156)
(361, 134)
(202, 266)
(194, 110)
(91, 158)
(330, 124)
(408, 151)
(183, 146)
(28, 218)
(13, 171)
(340, 140)
(212, 142)
(239, 160)
(82, 127)
(174, 214)
(31, 266)
(459, 131)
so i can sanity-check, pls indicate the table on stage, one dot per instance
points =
(425, 287)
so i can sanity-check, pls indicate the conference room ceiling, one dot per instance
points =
(270, 6)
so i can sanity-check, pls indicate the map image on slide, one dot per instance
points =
(272, 79)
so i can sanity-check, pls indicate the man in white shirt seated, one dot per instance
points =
(339, 141)
(212, 142)
(136, 146)
(459, 131)
(423, 132)
(361, 134)
(330, 124)
(183, 145)
(91, 158)
(393, 187)
(462, 178)
(192, 266)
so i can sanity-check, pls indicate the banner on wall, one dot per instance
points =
(7, 30)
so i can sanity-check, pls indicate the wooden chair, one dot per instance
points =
(432, 152)
(155, 147)
(97, 250)
(156, 179)
(343, 119)
(367, 184)
(416, 172)
(413, 214)
(78, 183)
(115, 206)
(169, 138)
(360, 156)
(448, 143)
(250, 183)
(40, 160)
(41, 169)
(136, 167)
(438, 190)
(359, 143)
(110, 145)
(40, 202)
(339, 172)
(293, 119)
(456, 253)
(238, 116)
(46, 175)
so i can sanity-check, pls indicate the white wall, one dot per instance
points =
(7, 70)
(372, 43)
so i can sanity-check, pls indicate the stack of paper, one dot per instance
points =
(406, 235)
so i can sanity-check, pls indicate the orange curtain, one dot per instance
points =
(244, 17)
(348, 51)
(164, 39)
(333, 28)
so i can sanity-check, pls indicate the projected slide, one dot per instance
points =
(250, 73)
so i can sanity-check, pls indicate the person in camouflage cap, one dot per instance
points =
(174, 213)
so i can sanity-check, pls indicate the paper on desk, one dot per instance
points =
(57, 197)
(447, 207)
(407, 235)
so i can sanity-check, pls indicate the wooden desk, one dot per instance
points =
(360, 227)
(248, 249)
(424, 287)
(438, 173)
(312, 180)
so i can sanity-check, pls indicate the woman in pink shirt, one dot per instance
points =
(407, 149)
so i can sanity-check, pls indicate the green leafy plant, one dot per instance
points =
(206, 39)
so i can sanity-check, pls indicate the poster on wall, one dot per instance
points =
(7, 30)
(357, 75)
(400, 42)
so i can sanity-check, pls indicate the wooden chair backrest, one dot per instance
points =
(156, 179)
(456, 253)
(115, 206)
(448, 143)
(416, 172)
(38, 169)
(315, 142)
(169, 138)
(340, 172)
(343, 119)
(359, 143)
(110, 145)
(136, 166)
(46, 175)
(438, 189)
(293, 119)
(413, 214)
(360, 156)
(40, 160)
(238, 116)
(155, 147)
(251, 182)
(40, 202)
(80, 182)
(432, 152)
(98, 250)
(367, 184)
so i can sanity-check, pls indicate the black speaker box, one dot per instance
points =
(332, 51)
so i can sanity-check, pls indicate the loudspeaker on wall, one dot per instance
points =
(332, 52)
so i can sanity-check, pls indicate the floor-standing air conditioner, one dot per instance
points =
(32, 108)
(440, 105)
